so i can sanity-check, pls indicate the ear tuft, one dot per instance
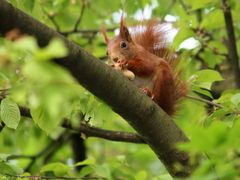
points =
(124, 32)
(104, 33)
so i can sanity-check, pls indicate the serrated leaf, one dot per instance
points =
(10, 113)
(205, 78)
(103, 171)
(27, 43)
(213, 20)
(49, 107)
(48, 71)
(44, 120)
(55, 49)
(183, 34)
(59, 169)
(29, 4)
(3, 157)
(211, 59)
(89, 161)
(141, 175)
(6, 168)
(201, 91)
(197, 4)
(235, 99)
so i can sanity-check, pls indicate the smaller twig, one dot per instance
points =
(85, 31)
(11, 157)
(184, 6)
(80, 17)
(52, 19)
(53, 146)
(204, 101)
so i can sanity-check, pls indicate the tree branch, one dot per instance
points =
(156, 128)
(85, 31)
(205, 101)
(90, 131)
(231, 44)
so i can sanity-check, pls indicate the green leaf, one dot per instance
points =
(89, 161)
(28, 4)
(59, 169)
(3, 157)
(6, 168)
(205, 78)
(55, 49)
(197, 4)
(201, 91)
(10, 113)
(46, 119)
(142, 175)
(27, 43)
(211, 59)
(207, 139)
(86, 170)
(183, 34)
(235, 99)
(103, 171)
(48, 72)
(213, 20)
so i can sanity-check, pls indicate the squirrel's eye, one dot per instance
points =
(123, 44)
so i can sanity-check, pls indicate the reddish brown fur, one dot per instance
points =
(146, 54)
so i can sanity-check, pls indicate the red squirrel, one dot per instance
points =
(143, 56)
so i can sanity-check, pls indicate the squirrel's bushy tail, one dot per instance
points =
(152, 35)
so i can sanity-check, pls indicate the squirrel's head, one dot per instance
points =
(120, 47)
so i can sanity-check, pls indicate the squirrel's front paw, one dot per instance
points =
(123, 64)
(148, 92)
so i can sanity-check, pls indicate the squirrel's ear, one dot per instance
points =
(124, 33)
(103, 31)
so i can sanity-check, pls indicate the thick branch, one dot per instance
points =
(146, 117)
(231, 43)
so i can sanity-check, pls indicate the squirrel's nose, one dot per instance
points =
(115, 59)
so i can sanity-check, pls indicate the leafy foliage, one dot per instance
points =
(10, 113)
(29, 78)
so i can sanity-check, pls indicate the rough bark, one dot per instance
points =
(146, 117)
